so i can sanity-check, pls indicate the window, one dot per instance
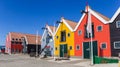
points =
(118, 24)
(79, 32)
(103, 46)
(70, 47)
(117, 45)
(63, 36)
(99, 28)
(16, 39)
(86, 34)
(68, 34)
(56, 37)
(12, 38)
(77, 47)
(56, 48)
(19, 39)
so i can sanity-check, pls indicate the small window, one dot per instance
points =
(77, 47)
(103, 46)
(56, 37)
(99, 28)
(19, 39)
(68, 34)
(16, 39)
(12, 38)
(118, 24)
(70, 47)
(117, 45)
(79, 32)
(56, 48)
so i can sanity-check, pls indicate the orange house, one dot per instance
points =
(100, 35)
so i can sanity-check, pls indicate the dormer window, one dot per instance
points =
(118, 24)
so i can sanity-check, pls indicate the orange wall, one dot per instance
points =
(100, 37)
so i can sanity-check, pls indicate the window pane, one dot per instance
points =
(99, 28)
(103, 46)
(117, 45)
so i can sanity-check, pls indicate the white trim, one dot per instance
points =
(67, 24)
(76, 47)
(10, 36)
(101, 28)
(63, 21)
(114, 44)
(43, 35)
(117, 24)
(49, 29)
(101, 45)
(115, 15)
(80, 33)
(82, 51)
(93, 13)
(26, 40)
(57, 29)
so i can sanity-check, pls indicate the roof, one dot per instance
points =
(115, 15)
(30, 38)
(51, 30)
(99, 16)
(70, 24)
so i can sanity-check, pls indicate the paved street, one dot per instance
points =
(19, 60)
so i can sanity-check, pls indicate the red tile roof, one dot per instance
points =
(31, 39)
(72, 24)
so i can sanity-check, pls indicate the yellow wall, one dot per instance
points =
(69, 40)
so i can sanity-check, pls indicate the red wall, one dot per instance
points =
(100, 37)
(10, 46)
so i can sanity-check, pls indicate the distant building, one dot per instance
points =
(21, 43)
(47, 41)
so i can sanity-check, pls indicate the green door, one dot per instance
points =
(63, 50)
(87, 49)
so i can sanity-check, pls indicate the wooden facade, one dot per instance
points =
(115, 34)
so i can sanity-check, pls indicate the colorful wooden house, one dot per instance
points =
(47, 42)
(64, 38)
(21, 43)
(115, 33)
(100, 38)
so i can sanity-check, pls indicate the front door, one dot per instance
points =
(63, 50)
(87, 49)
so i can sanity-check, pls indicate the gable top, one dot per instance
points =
(115, 15)
(30, 38)
(51, 29)
(70, 24)
(99, 16)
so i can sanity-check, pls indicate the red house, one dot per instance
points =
(100, 32)
(22, 43)
(14, 43)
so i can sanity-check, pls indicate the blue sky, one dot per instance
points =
(27, 16)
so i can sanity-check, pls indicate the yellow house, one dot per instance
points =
(64, 38)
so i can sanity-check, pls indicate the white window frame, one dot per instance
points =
(76, 47)
(114, 44)
(80, 33)
(117, 24)
(101, 28)
(104, 43)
